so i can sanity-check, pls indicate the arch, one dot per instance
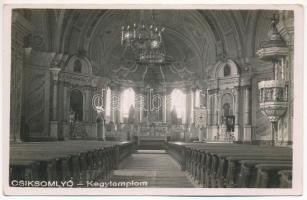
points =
(227, 70)
(77, 66)
(220, 66)
(81, 61)
(76, 104)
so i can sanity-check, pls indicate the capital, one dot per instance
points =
(55, 73)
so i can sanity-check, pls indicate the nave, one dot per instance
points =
(208, 93)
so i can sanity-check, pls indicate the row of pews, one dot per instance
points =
(223, 165)
(77, 161)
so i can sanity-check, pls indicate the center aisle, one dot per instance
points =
(154, 166)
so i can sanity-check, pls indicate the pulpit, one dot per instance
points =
(274, 93)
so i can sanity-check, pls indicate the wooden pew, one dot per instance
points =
(285, 178)
(267, 174)
(77, 160)
(234, 167)
(215, 165)
(24, 170)
(227, 162)
(244, 179)
(196, 173)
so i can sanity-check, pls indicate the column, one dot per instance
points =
(65, 103)
(104, 96)
(287, 32)
(188, 92)
(66, 111)
(137, 101)
(138, 104)
(163, 103)
(141, 104)
(20, 29)
(216, 108)
(115, 105)
(236, 105)
(88, 106)
(164, 107)
(247, 126)
(119, 113)
(208, 117)
(192, 106)
(209, 121)
(246, 107)
(212, 131)
(54, 122)
(168, 104)
(112, 105)
(215, 127)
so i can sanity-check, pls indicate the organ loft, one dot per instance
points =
(94, 92)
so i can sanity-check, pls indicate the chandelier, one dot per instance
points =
(145, 41)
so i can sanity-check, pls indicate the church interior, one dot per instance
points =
(173, 98)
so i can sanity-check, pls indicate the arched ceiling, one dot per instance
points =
(196, 39)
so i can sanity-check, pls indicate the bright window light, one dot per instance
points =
(197, 98)
(179, 103)
(108, 102)
(127, 100)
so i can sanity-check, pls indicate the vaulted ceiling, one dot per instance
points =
(196, 39)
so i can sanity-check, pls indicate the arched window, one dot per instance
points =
(226, 70)
(108, 104)
(77, 66)
(127, 102)
(76, 104)
(178, 104)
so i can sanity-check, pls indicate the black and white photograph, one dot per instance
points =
(113, 98)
